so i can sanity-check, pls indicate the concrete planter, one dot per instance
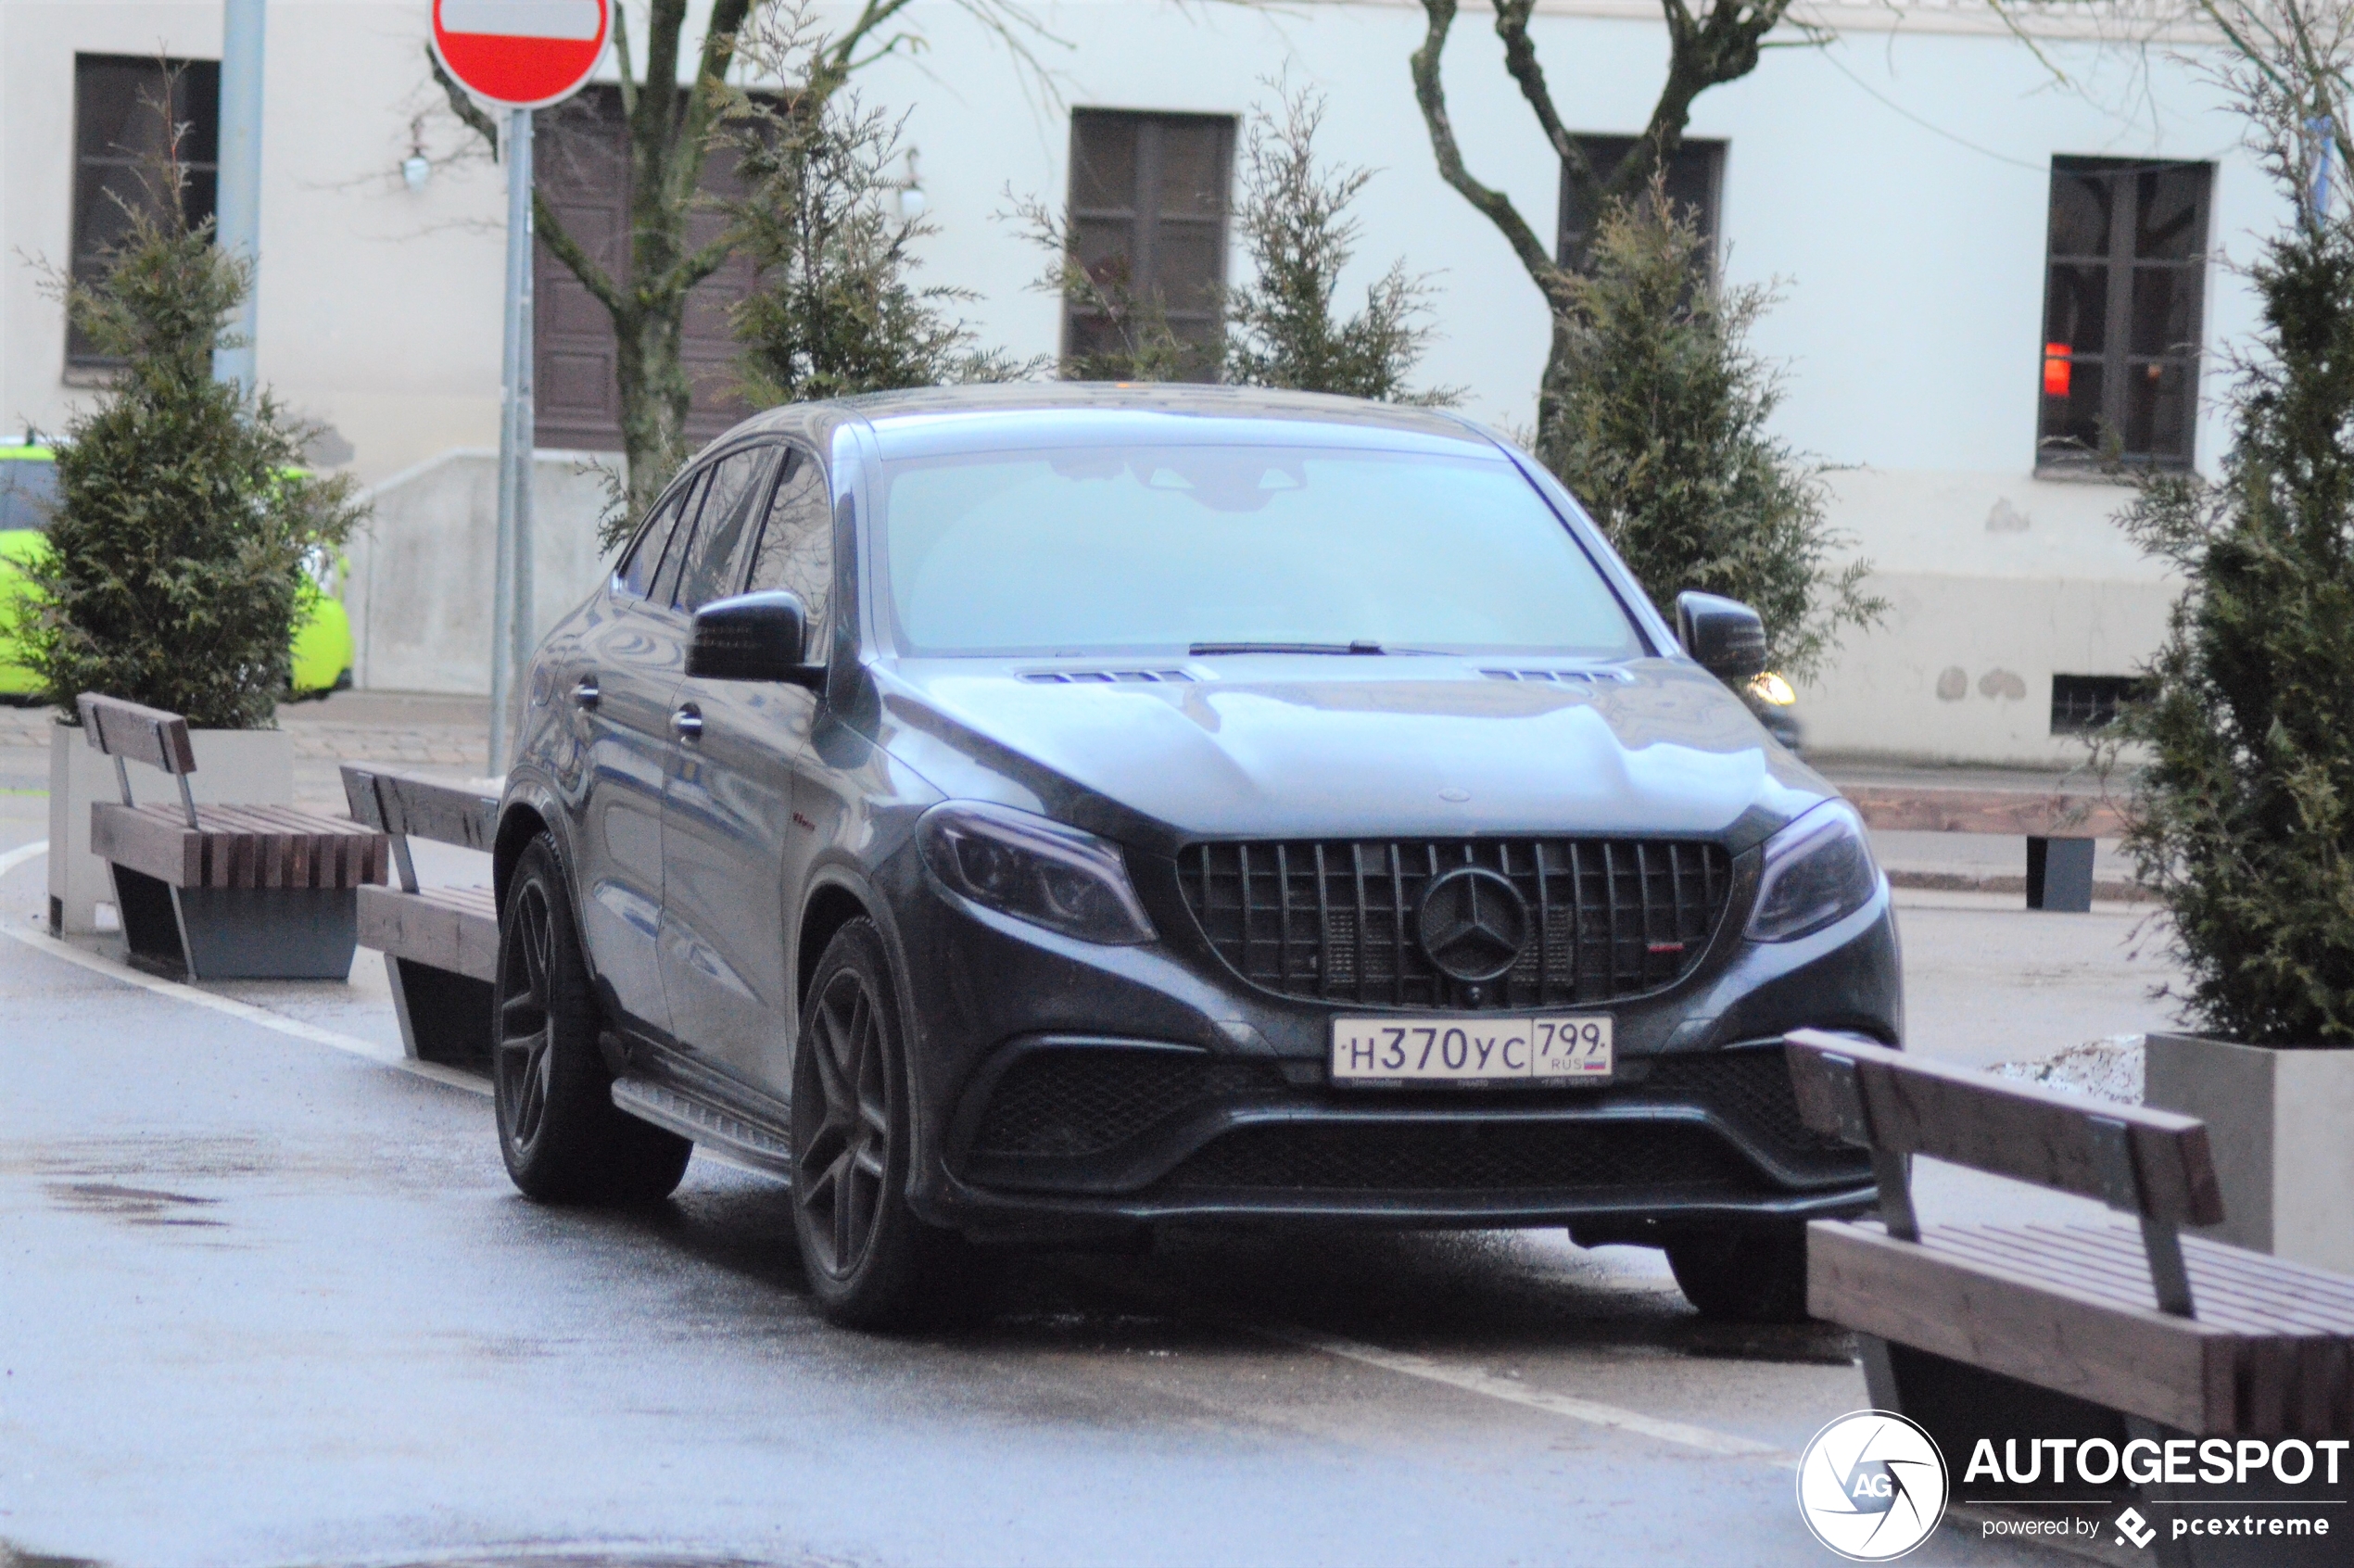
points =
(234, 768)
(2282, 1126)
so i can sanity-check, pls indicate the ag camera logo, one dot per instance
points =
(1871, 1486)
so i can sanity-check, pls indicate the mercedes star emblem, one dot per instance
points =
(1474, 923)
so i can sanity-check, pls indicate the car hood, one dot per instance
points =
(1293, 746)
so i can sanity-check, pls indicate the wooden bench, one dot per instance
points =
(440, 944)
(221, 891)
(2119, 1331)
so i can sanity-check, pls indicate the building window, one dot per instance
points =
(2081, 704)
(2118, 378)
(124, 108)
(1695, 185)
(1148, 203)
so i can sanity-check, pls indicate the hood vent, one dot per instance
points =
(1104, 677)
(1562, 678)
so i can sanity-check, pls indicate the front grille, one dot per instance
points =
(1596, 1157)
(1334, 919)
(1084, 1100)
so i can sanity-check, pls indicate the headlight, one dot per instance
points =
(1772, 689)
(1817, 869)
(1059, 878)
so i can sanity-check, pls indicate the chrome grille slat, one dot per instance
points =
(1609, 918)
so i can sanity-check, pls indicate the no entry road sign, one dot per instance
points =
(522, 54)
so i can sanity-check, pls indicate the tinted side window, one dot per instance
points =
(715, 559)
(637, 572)
(796, 547)
(682, 540)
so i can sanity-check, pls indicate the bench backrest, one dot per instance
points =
(408, 806)
(152, 736)
(2152, 1164)
(2030, 1134)
(155, 736)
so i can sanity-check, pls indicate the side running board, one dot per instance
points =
(723, 1132)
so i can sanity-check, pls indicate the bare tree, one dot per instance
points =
(672, 131)
(1719, 41)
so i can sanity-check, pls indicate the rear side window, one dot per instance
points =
(796, 549)
(638, 572)
(714, 560)
(28, 490)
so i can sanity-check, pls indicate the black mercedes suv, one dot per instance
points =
(1026, 815)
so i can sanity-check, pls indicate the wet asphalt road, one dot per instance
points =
(264, 1303)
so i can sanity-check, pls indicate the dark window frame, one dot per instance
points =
(1146, 217)
(196, 102)
(1603, 150)
(2088, 704)
(2122, 264)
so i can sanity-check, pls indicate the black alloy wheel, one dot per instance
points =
(1751, 1274)
(871, 1262)
(562, 1136)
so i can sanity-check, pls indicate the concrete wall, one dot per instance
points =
(419, 588)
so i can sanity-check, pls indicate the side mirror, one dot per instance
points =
(753, 637)
(1723, 636)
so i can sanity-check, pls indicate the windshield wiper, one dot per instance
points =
(1203, 650)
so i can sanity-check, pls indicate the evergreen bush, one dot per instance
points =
(2243, 821)
(181, 523)
(1281, 330)
(1663, 434)
(835, 310)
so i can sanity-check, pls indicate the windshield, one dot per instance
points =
(28, 486)
(1088, 549)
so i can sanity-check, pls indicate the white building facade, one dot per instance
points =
(1900, 183)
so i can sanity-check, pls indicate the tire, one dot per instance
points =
(1748, 1275)
(871, 1263)
(563, 1139)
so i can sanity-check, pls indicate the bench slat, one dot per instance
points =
(2010, 1129)
(238, 846)
(453, 928)
(422, 808)
(153, 736)
(2175, 1371)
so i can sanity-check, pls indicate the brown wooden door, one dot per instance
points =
(581, 165)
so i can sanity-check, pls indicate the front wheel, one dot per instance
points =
(871, 1263)
(1749, 1275)
(563, 1139)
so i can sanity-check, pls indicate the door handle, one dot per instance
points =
(687, 722)
(584, 694)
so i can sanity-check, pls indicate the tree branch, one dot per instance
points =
(552, 233)
(1494, 204)
(1520, 59)
(462, 105)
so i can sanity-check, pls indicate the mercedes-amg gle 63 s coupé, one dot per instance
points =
(1025, 817)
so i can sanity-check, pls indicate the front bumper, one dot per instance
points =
(1065, 1088)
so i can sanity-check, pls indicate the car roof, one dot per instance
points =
(950, 418)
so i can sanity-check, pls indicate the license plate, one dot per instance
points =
(1482, 1048)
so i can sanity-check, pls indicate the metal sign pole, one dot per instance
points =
(511, 616)
(237, 205)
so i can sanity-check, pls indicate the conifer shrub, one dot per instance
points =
(182, 521)
(2243, 818)
(1663, 434)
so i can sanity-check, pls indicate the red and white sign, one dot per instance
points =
(522, 54)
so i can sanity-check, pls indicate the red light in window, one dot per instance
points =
(2056, 368)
